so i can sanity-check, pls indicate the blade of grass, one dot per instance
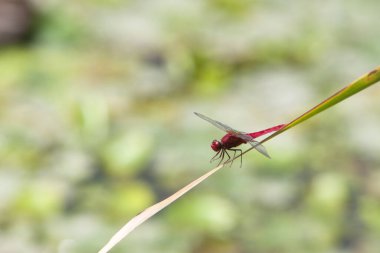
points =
(361, 83)
(150, 211)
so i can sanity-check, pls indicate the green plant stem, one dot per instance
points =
(361, 83)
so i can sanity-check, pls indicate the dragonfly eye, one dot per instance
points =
(216, 145)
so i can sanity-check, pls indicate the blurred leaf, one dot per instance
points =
(328, 194)
(205, 213)
(126, 154)
(39, 200)
(370, 213)
(93, 118)
(213, 78)
(128, 199)
(59, 26)
(13, 63)
(234, 7)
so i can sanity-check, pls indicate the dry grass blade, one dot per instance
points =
(150, 211)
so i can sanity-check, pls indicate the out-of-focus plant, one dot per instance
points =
(361, 83)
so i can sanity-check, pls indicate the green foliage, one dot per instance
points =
(96, 124)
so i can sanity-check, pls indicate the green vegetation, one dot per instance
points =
(96, 124)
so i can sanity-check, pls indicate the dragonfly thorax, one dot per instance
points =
(216, 145)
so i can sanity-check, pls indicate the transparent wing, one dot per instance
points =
(259, 147)
(255, 144)
(219, 125)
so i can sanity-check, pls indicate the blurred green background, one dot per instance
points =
(96, 124)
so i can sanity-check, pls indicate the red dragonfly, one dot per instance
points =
(234, 138)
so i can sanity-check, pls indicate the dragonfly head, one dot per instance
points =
(216, 145)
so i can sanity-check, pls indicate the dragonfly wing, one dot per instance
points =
(259, 147)
(218, 124)
(244, 136)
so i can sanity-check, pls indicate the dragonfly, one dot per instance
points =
(234, 138)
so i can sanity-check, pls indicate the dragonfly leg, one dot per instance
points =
(229, 157)
(221, 160)
(215, 156)
(241, 157)
(233, 157)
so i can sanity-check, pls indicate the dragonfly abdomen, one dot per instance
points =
(265, 131)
